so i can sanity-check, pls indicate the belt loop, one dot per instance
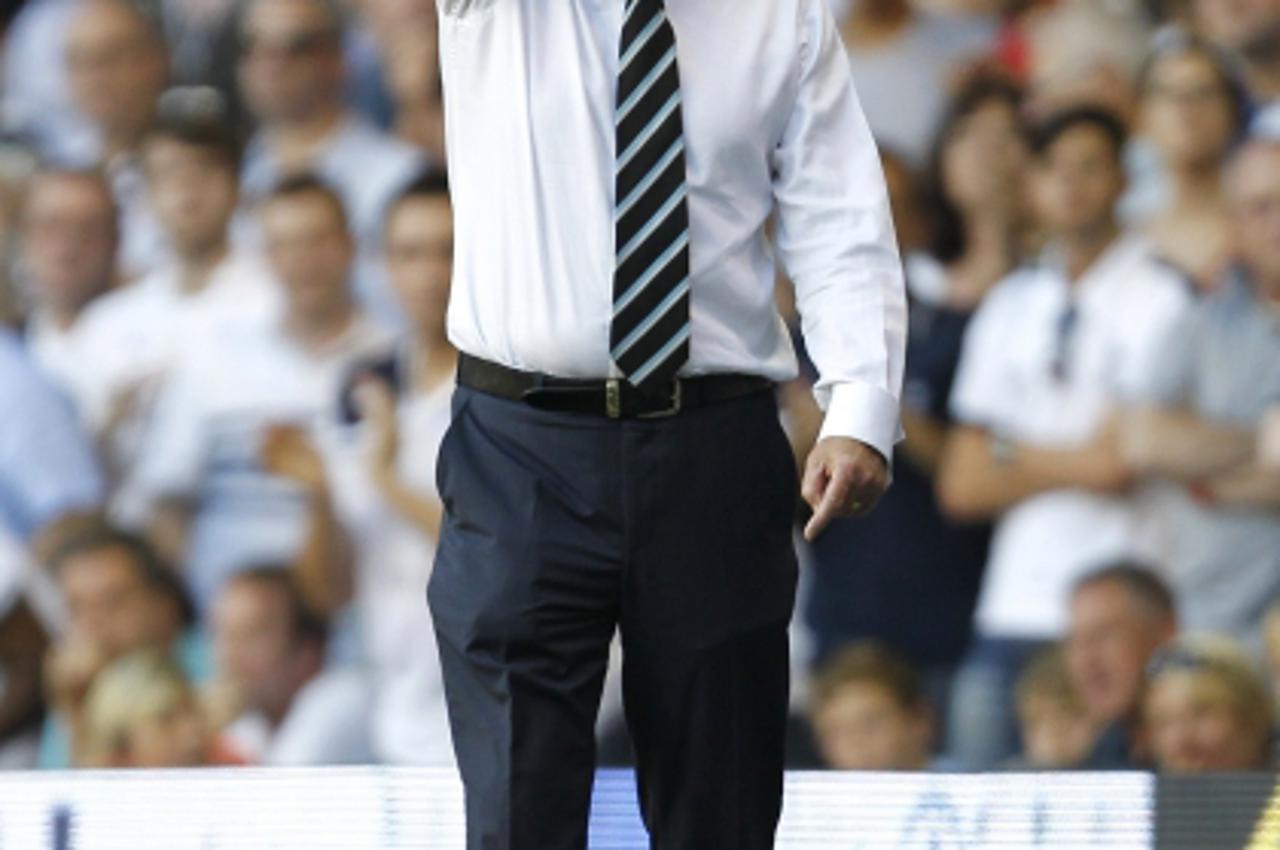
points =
(613, 398)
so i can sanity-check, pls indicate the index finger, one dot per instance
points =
(833, 498)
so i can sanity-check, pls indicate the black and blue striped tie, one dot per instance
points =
(649, 334)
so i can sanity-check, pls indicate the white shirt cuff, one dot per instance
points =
(865, 413)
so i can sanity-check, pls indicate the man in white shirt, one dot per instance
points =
(1054, 350)
(615, 459)
(292, 75)
(131, 337)
(69, 236)
(269, 657)
(203, 478)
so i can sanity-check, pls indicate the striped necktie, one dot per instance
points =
(649, 333)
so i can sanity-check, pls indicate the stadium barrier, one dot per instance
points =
(376, 808)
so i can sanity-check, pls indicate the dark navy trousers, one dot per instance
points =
(561, 528)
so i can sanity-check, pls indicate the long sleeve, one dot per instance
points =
(836, 240)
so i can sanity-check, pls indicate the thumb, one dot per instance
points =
(815, 482)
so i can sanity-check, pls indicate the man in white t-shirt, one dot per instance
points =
(204, 476)
(1051, 354)
(270, 651)
(131, 337)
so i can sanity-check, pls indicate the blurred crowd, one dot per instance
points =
(225, 258)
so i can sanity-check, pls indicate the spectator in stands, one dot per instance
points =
(38, 106)
(1120, 616)
(69, 237)
(1052, 350)
(49, 481)
(142, 712)
(1192, 110)
(23, 642)
(1271, 638)
(18, 164)
(377, 480)
(1251, 30)
(902, 55)
(270, 650)
(201, 39)
(905, 575)
(405, 34)
(1053, 722)
(120, 598)
(1082, 53)
(130, 338)
(870, 711)
(291, 76)
(1207, 710)
(1218, 374)
(117, 66)
(227, 410)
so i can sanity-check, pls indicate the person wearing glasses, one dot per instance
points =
(1192, 111)
(1053, 349)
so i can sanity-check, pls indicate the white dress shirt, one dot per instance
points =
(771, 124)
(1127, 303)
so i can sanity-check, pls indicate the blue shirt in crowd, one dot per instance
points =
(46, 465)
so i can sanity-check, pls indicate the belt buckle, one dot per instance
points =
(677, 402)
(613, 398)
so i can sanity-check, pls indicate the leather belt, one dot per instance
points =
(612, 397)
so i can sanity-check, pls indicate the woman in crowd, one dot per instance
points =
(142, 712)
(1207, 710)
(1191, 110)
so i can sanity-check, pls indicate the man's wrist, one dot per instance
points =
(864, 413)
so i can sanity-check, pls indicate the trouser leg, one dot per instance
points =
(710, 586)
(524, 599)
